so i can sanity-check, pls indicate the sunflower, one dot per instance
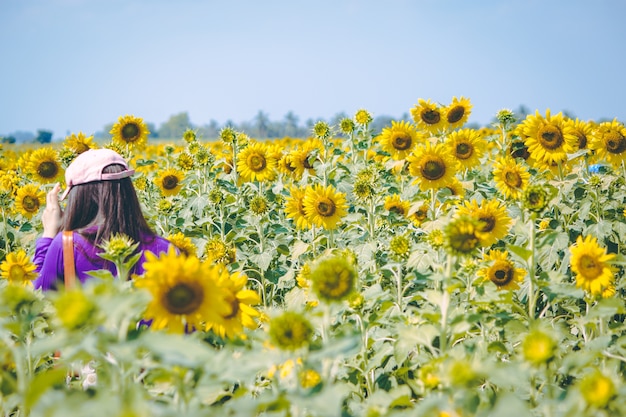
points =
(79, 143)
(218, 251)
(290, 331)
(418, 213)
(29, 199)
(240, 301)
(74, 308)
(185, 292)
(333, 279)
(467, 146)
(285, 164)
(428, 116)
(304, 159)
(501, 271)
(321, 130)
(608, 140)
(510, 177)
(597, 389)
(185, 161)
(363, 117)
(583, 132)
(463, 235)
(400, 247)
(17, 267)
(538, 347)
(183, 243)
(393, 203)
(294, 208)
(535, 198)
(433, 166)
(259, 205)
(399, 140)
(170, 181)
(457, 112)
(324, 206)
(592, 266)
(493, 217)
(254, 163)
(44, 165)
(130, 131)
(549, 139)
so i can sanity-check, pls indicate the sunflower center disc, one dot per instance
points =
(183, 299)
(550, 137)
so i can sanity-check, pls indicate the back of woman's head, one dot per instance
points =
(102, 208)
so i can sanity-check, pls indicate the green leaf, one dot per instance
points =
(42, 382)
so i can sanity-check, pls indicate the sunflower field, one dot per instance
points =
(429, 269)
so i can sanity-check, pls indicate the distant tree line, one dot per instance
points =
(260, 127)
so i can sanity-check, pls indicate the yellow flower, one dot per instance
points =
(218, 251)
(457, 112)
(309, 378)
(549, 139)
(290, 331)
(259, 205)
(538, 347)
(130, 131)
(433, 166)
(44, 165)
(185, 292)
(597, 389)
(254, 163)
(419, 214)
(304, 159)
(463, 235)
(29, 199)
(467, 146)
(510, 177)
(185, 161)
(363, 117)
(400, 246)
(428, 116)
(17, 267)
(170, 181)
(591, 264)
(608, 140)
(324, 206)
(583, 132)
(333, 278)
(74, 308)
(294, 208)
(393, 203)
(79, 143)
(399, 140)
(493, 217)
(183, 243)
(321, 130)
(240, 301)
(501, 271)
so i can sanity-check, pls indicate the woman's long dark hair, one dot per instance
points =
(97, 210)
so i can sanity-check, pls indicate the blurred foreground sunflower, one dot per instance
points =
(185, 292)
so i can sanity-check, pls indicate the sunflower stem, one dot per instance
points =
(445, 304)
(531, 272)
(400, 291)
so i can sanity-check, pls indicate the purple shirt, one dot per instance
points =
(49, 258)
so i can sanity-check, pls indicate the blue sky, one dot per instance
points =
(74, 66)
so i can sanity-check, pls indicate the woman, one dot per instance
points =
(102, 202)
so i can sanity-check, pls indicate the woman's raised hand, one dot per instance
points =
(52, 214)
